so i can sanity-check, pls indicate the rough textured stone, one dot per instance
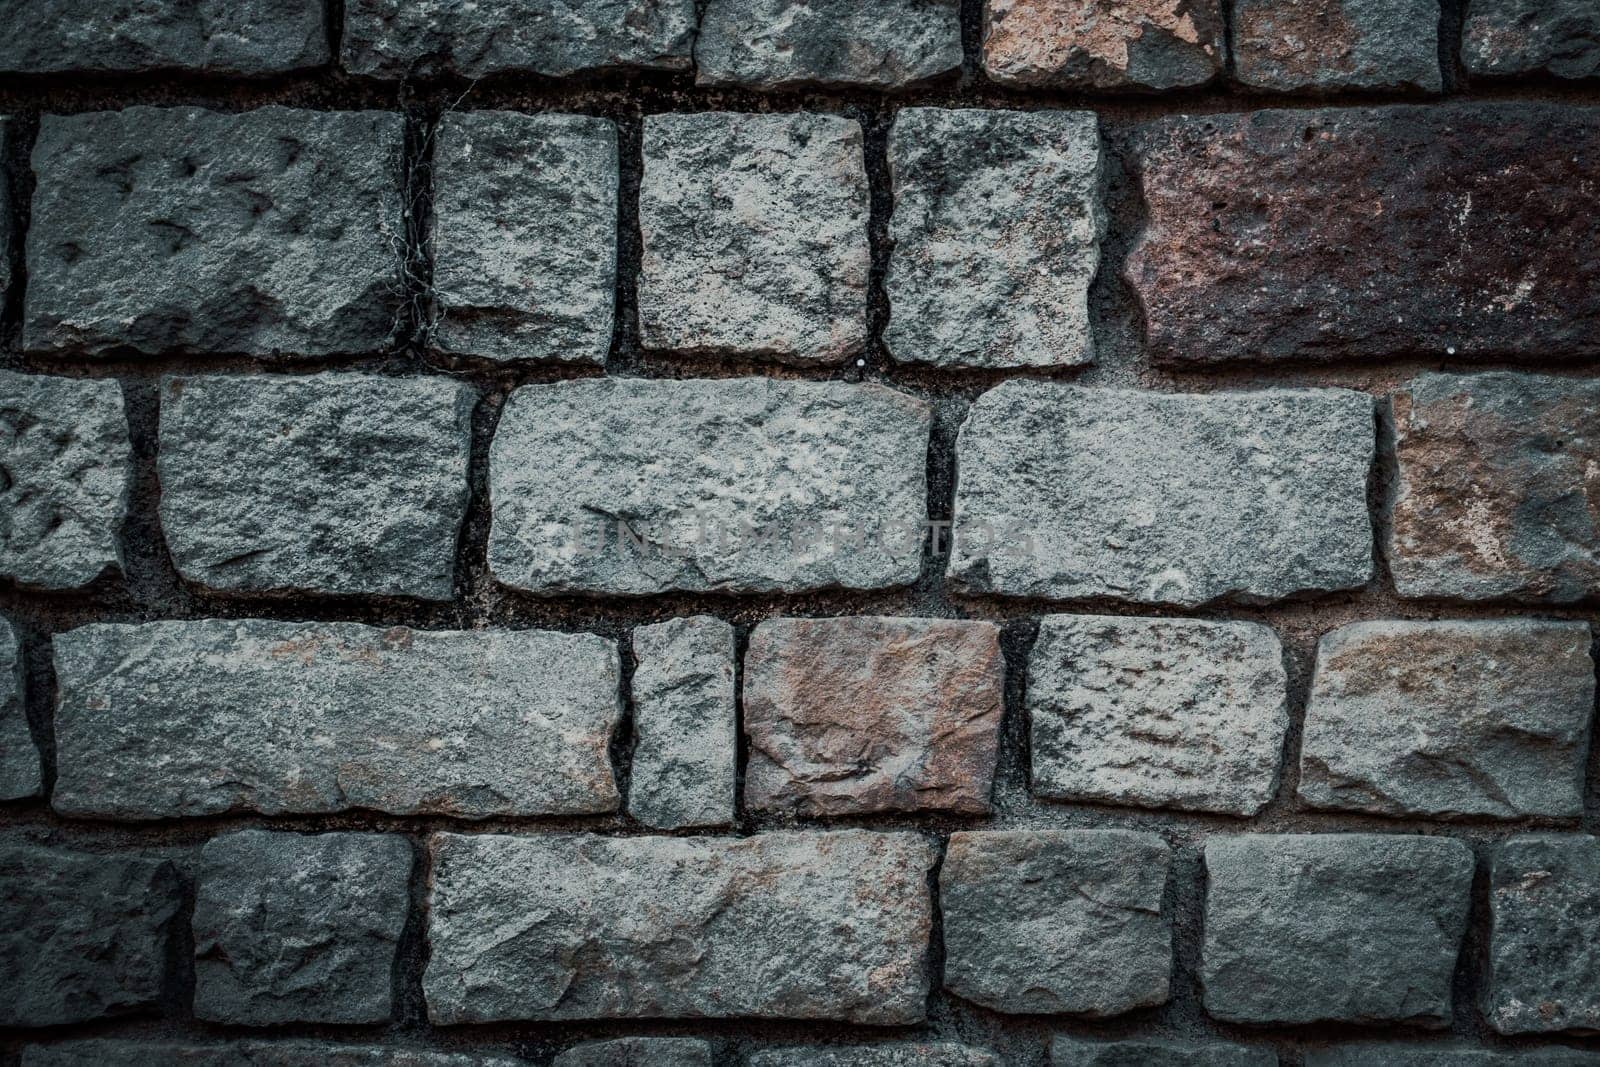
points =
(850, 716)
(1333, 45)
(10, 250)
(630, 486)
(638, 1052)
(397, 38)
(685, 754)
(888, 1054)
(333, 483)
(1497, 494)
(299, 927)
(778, 44)
(19, 759)
(1354, 928)
(1102, 44)
(1062, 921)
(1367, 233)
(1175, 713)
(524, 236)
(1066, 492)
(1364, 1055)
(996, 236)
(1544, 944)
(1070, 1052)
(242, 37)
(84, 936)
(135, 1053)
(755, 235)
(1450, 718)
(183, 230)
(202, 718)
(1509, 37)
(64, 456)
(780, 925)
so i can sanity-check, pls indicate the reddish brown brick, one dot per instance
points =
(1102, 44)
(1330, 45)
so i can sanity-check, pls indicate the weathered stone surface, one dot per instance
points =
(1070, 1052)
(10, 250)
(1364, 1055)
(1370, 233)
(64, 456)
(638, 1052)
(685, 727)
(755, 236)
(524, 236)
(333, 483)
(888, 1054)
(996, 230)
(84, 936)
(1355, 928)
(778, 44)
(19, 759)
(397, 38)
(299, 927)
(175, 719)
(1333, 45)
(1064, 921)
(1102, 44)
(183, 230)
(243, 37)
(1544, 945)
(133, 1053)
(780, 925)
(1509, 37)
(1157, 713)
(1497, 496)
(1450, 718)
(849, 716)
(630, 486)
(1066, 492)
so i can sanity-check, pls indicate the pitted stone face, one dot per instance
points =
(1102, 44)
(1326, 46)
(779, 44)
(1502, 38)
(1544, 893)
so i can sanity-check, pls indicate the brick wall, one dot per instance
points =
(754, 532)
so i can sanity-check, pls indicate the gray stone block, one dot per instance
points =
(173, 719)
(1102, 44)
(778, 44)
(1070, 1052)
(116, 1052)
(1058, 921)
(1328, 46)
(333, 483)
(996, 237)
(755, 236)
(631, 486)
(1453, 1055)
(1518, 37)
(265, 232)
(524, 236)
(1351, 928)
(1544, 944)
(20, 774)
(888, 1054)
(685, 726)
(10, 244)
(1156, 713)
(585, 927)
(638, 1052)
(1066, 492)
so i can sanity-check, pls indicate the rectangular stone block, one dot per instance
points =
(299, 927)
(1349, 928)
(1157, 713)
(632, 486)
(1388, 232)
(755, 236)
(1057, 921)
(1066, 492)
(333, 483)
(20, 775)
(887, 1054)
(85, 937)
(1450, 719)
(638, 1052)
(1070, 1052)
(781, 925)
(270, 232)
(173, 719)
(853, 716)
(64, 456)
(778, 44)
(240, 37)
(1544, 946)
(1328, 46)
(402, 38)
(1102, 44)
(996, 236)
(524, 236)
(1496, 495)
(117, 1052)
(1448, 1055)
(1560, 38)
(685, 724)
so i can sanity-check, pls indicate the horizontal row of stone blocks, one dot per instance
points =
(844, 716)
(1297, 929)
(1278, 45)
(1328, 234)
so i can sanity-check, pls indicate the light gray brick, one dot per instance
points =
(118, 1052)
(638, 1052)
(777, 44)
(1070, 1052)
(685, 755)
(1544, 946)
(1102, 44)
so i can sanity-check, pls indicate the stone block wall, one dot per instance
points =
(794, 533)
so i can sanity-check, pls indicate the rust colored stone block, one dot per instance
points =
(1102, 44)
(1331, 45)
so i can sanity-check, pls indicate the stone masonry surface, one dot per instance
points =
(1510, 37)
(685, 754)
(1544, 949)
(248, 1053)
(19, 759)
(1327, 45)
(1066, 1052)
(1103, 44)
